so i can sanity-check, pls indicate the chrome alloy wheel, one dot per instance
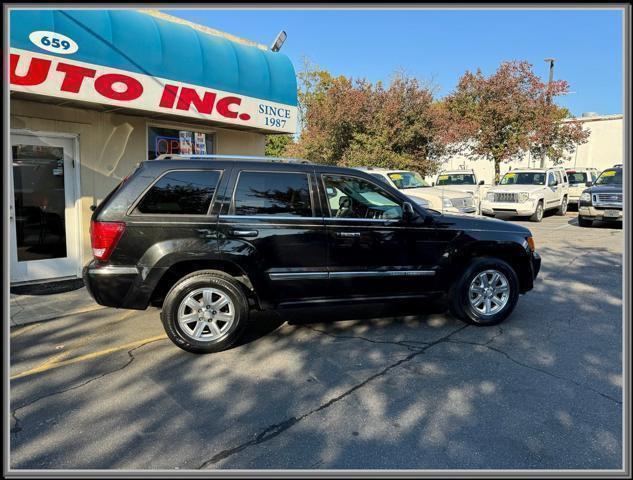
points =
(489, 292)
(206, 314)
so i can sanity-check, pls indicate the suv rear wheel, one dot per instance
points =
(486, 293)
(205, 312)
(562, 210)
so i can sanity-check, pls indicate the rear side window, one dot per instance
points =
(181, 192)
(272, 193)
(576, 178)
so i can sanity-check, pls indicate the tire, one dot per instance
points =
(209, 330)
(562, 210)
(537, 216)
(584, 222)
(460, 304)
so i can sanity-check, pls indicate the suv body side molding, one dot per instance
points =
(351, 274)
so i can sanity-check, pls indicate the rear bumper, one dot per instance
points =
(116, 286)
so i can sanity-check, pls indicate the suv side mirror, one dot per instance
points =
(588, 184)
(407, 211)
(481, 182)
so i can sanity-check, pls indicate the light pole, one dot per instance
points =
(549, 96)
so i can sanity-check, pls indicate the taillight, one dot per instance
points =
(104, 237)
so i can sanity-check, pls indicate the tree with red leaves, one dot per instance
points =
(506, 115)
(357, 123)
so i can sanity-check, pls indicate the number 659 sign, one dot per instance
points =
(53, 42)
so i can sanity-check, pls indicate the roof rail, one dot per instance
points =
(169, 156)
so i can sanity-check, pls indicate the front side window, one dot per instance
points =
(456, 179)
(181, 192)
(353, 197)
(523, 178)
(551, 179)
(404, 180)
(610, 177)
(272, 193)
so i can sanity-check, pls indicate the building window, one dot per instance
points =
(183, 192)
(175, 141)
(273, 193)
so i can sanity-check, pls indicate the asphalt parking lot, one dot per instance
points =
(382, 387)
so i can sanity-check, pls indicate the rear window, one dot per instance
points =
(456, 179)
(577, 177)
(272, 193)
(181, 192)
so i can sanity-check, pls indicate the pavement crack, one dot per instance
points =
(402, 343)
(274, 430)
(14, 413)
(537, 369)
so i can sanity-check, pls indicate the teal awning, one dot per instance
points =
(141, 43)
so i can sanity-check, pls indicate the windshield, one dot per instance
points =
(610, 177)
(577, 177)
(456, 179)
(403, 180)
(523, 178)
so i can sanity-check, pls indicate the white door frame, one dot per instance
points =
(76, 182)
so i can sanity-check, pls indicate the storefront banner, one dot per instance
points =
(53, 76)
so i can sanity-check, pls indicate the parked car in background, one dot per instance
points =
(579, 179)
(528, 192)
(462, 181)
(443, 200)
(210, 238)
(603, 200)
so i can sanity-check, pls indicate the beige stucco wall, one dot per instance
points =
(604, 148)
(111, 144)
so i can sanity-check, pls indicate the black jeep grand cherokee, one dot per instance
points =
(212, 237)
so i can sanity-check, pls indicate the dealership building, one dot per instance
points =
(93, 92)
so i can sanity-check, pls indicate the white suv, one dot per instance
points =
(413, 185)
(579, 179)
(462, 181)
(528, 192)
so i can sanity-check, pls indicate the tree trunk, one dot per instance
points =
(497, 162)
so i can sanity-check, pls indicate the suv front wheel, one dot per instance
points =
(486, 293)
(205, 312)
(537, 216)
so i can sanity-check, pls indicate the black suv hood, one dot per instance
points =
(605, 189)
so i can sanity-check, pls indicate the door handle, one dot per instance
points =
(348, 234)
(244, 233)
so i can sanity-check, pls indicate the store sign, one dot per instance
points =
(64, 78)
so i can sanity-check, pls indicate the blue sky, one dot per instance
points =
(440, 45)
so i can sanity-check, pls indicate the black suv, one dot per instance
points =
(209, 238)
(603, 200)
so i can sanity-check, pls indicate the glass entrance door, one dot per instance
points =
(43, 216)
